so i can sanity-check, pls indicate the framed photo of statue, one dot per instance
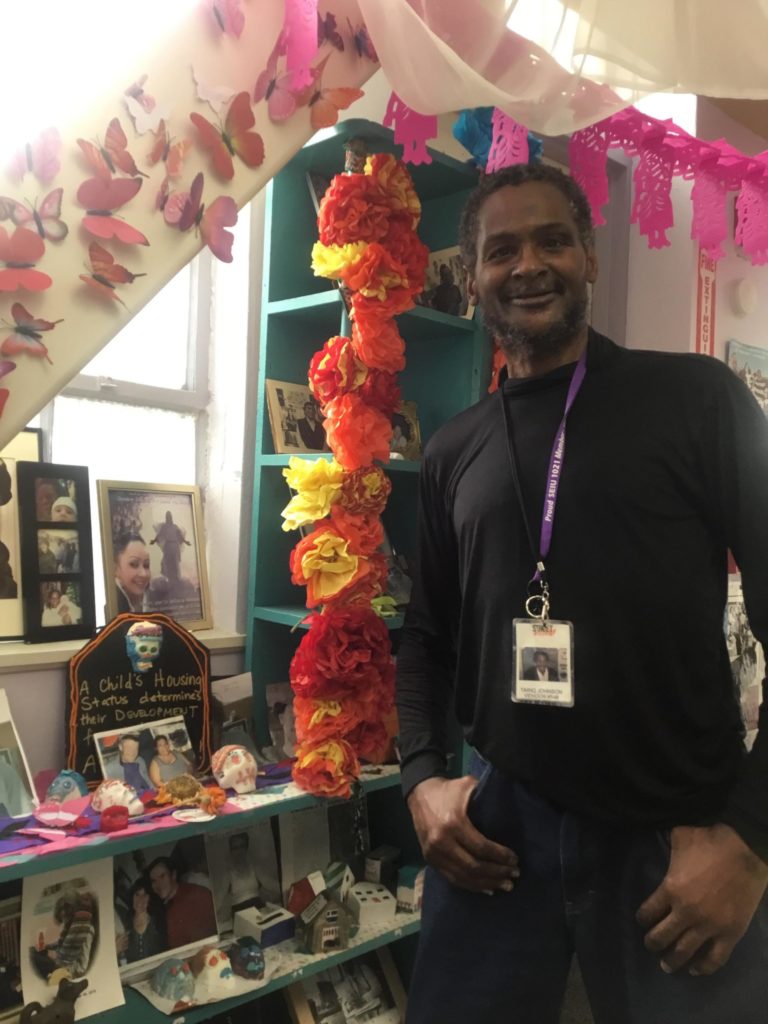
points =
(294, 418)
(154, 551)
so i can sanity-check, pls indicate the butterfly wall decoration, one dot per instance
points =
(325, 103)
(26, 334)
(228, 15)
(19, 252)
(106, 274)
(182, 210)
(235, 137)
(362, 42)
(40, 158)
(327, 32)
(144, 109)
(45, 219)
(216, 96)
(100, 199)
(275, 87)
(111, 157)
(171, 152)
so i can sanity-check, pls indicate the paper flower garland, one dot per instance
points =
(342, 673)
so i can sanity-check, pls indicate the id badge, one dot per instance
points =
(543, 662)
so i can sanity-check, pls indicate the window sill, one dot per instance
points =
(16, 656)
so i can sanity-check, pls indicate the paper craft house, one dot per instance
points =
(371, 904)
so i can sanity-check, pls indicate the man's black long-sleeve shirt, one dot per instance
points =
(665, 468)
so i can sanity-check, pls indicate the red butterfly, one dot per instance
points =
(325, 104)
(101, 199)
(229, 16)
(327, 32)
(234, 137)
(26, 335)
(113, 156)
(171, 153)
(362, 42)
(46, 220)
(105, 273)
(183, 209)
(275, 89)
(18, 253)
(40, 157)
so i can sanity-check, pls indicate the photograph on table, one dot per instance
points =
(294, 418)
(154, 551)
(11, 998)
(244, 870)
(11, 607)
(17, 798)
(367, 988)
(445, 287)
(146, 756)
(67, 925)
(163, 903)
(406, 434)
(56, 552)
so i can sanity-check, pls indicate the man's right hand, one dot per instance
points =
(450, 842)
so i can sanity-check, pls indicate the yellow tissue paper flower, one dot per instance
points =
(317, 483)
(331, 260)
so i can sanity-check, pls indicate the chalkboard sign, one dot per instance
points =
(139, 670)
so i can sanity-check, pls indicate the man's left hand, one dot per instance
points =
(706, 900)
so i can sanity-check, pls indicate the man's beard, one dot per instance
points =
(551, 341)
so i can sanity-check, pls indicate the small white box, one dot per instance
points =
(371, 904)
(268, 925)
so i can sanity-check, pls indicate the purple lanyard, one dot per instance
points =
(553, 478)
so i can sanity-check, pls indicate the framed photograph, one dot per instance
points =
(146, 756)
(154, 551)
(406, 435)
(294, 418)
(11, 604)
(243, 869)
(11, 998)
(27, 446)
(747, 660)
(318, 186)
(445, 288)
(163, 904)
(56, 551)
(17, 798)
(367, 988)
(750, 364)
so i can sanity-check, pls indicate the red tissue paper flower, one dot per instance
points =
(335, 369)
(365, 490)
(356, 433)
(354, 209)
(326, 769)
(365, 532)
(318, 720)
(380, 389)
(372, 584)
(378, 343)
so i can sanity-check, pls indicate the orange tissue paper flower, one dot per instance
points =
(345, 653)
(372, 584)
(397, 301)
(375, 273)
(356, 433)
(324, 564)
(326, 769)
(335, 369)
(370, 741)
(395, 181)
(409, 251)
(380, 389)
(355, 208)
(365, 490)
(378, 342)
(318, 720)
(364, 532)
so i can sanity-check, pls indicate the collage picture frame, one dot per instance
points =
(56, 551)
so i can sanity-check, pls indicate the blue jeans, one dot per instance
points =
(504, 959)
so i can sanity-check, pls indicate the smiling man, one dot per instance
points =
(587, 507)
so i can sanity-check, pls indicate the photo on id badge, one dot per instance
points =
(543, 663)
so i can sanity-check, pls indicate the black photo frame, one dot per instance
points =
(55, 515)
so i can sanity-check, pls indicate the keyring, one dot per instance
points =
(537, 606)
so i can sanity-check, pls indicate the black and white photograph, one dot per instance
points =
(294, 418)
(154, 551)
(445, 287)
(58, 551)
(244, 870)
(367, 988)
(146, 756)
(16, 788)
(163, 902)
(747, 660)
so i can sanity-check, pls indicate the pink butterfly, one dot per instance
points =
(19, 253)
(26, 334)
(229, 16)
(100, 198)
(40, 157)
(216, 96)
(143, 108)
(46, 219)
(282, 101)
(183, 209)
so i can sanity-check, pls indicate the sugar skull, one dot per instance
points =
(67, 785)
(142, 643)
(173, 979)
(234, 767)
(115, 793)
(247, 958)
(215, 979)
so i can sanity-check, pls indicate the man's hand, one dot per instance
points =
(706, 900)
(450, 842)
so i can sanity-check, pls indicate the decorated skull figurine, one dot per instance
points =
(142, 643)
(247, 958)
(174, 980)
(215, 978)
(234, 767)
(115, 793)
(67, 785)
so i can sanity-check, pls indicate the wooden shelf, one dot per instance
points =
(293, 615)
(395, 466)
